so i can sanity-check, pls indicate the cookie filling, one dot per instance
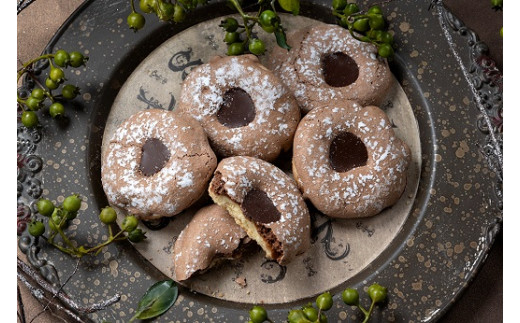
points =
(339, 69)
(154, 156)
(237, 109)
(255, 209)
(258, 207)
(347, 152)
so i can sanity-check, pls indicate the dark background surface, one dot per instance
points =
(482, 301)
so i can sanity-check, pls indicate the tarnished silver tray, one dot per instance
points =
(455, 213)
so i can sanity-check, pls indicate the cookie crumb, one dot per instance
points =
(241, 281)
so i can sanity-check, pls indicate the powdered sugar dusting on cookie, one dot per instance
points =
(174, 187)
(241, 174)
(276, 111)
(211, 234)
(362, 191)
(301, 69)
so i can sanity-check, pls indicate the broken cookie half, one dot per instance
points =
(266, 203)
(211, 237)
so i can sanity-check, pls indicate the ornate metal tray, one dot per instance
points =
(455, 95)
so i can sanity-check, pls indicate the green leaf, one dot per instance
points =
(281, 39)
(292, 6)
(157, 300)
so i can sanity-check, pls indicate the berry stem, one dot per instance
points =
(110, 239)
(369, 313)
(132, 5)
(21, 102)
(47, 93)
(26, 65)
(246, 18)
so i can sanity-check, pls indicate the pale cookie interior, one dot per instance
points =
(249, 226)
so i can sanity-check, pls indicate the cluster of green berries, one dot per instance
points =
(369, 26)
(239, 37)
(236, 45)
(165, 10)
(58, 61)
(59, 217)
(314, 313)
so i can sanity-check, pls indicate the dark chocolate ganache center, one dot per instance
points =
(339, 69)
(259, 208)
(154, 156)
(237, 109)
(347, 152)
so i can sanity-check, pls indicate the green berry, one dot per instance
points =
(38, 93)
(350, 9)
(374, 34)
(324, 301)
(339, 4)
(269, 29)
(136, 235)
(72, 203)
(45, 207)
(166, 10)
(375, 10)
(36, 228)
(258, 314)
(50, 84)
(235, 49)
(33, 103)
(385, 50)
(231, 37)
(57, 75)
(310, 313)
(135, 21)
(147, 6)
(108, 215)
(61, 58)
(256, 46)
(296, 316)
(29, 119)
(377, 293)
(129, 223)
(386, 37)
(269, 21)
(376, 22)
(77, 59)
(69, 91)
(56, 110)
(361, 25)
(350, 296)
(229, 24)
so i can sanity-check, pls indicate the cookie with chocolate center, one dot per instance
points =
(348, 161)
(243, 107)
(266, 203)
(157, 164)
(326, 62)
